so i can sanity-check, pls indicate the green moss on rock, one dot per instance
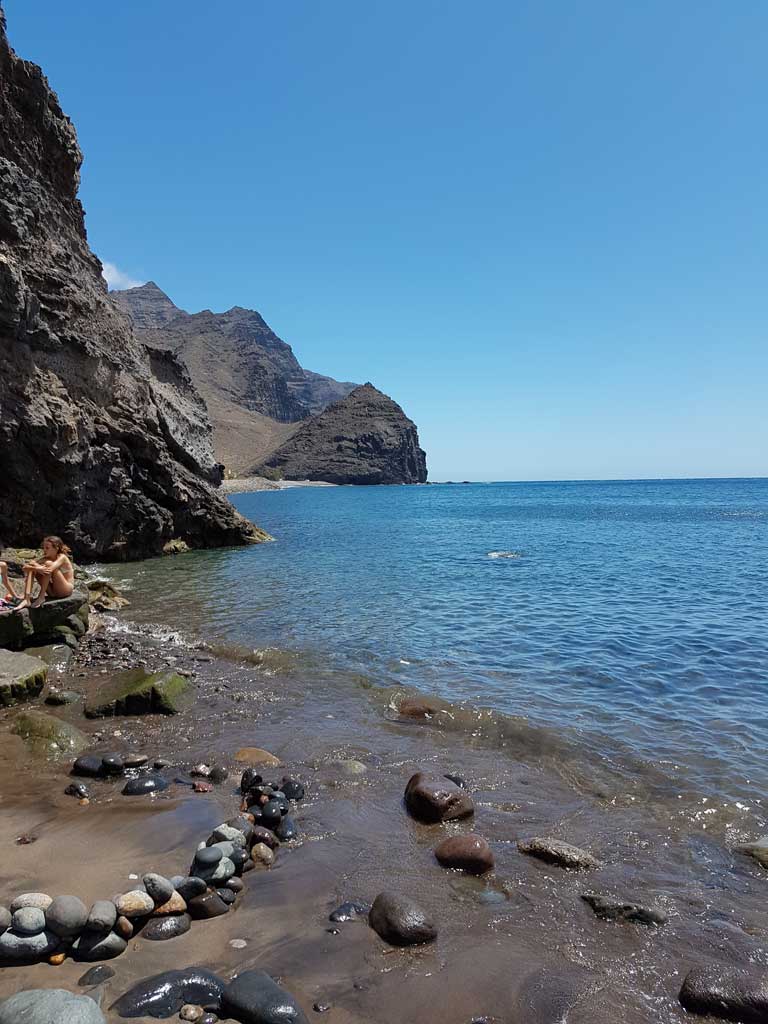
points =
(48, 736)
(138, 692)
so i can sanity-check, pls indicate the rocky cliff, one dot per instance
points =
(233, 356)
(366, 438)
(100, 440)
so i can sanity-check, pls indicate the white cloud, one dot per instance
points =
(116, 279)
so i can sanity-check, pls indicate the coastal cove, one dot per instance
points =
(345, 649)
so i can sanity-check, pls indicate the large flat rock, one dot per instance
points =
(63, 620)
(22, 677)
(139, 692)
(48, 736)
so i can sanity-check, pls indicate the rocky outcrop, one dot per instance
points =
(102, 442)
(364, 439)
(233, 356)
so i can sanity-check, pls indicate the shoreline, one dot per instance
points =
(251, 484)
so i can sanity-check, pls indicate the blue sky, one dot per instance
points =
(541, 226)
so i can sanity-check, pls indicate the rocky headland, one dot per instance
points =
(102, 440)
(267, 410)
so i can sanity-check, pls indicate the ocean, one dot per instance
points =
(626, 617)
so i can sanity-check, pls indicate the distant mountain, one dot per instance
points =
(234, 356)
(365, 438)
(264, 405)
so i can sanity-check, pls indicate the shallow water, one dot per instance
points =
(628, 615)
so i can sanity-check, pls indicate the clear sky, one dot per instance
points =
(540, 225)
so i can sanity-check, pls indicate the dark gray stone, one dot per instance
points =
(164, 994)
(29, 921)
(89, 765)
(27, 947)
(210, 904)
(98, 946)
(160, 928)
(400, 921)
(209, 856)
(349, 910)
(731, 993)
(189, 887)
(610, 909)
(253, 997)
(102, 916)
(96, 976)
(159, 888)
(144, 784)
(66, 916)
(287, 829)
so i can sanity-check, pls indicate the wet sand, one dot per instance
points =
(518, 946)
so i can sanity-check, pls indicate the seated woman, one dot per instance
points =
(8, 596)
(55, 574)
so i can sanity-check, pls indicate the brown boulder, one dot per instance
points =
(433, 798)
(468, 852)
(400, 921)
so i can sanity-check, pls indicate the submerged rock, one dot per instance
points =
(88, 765)
(253, 997)
(610, 909)
(758, 851)
(138, 692)
(468, 852)
(164, 994)
(50, 1006)
(95, 976)
(433, 798)
(731, 993)
(349, 911)
(401, 921)
(47, 736)
(555, 851)
(255, 755)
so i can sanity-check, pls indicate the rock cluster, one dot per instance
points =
(114, 437)
(37, 926)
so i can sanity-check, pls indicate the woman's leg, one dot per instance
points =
(29, 579)
(60, 586)
(9, 591)
(44, 579)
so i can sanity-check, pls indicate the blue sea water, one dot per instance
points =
(630, 613)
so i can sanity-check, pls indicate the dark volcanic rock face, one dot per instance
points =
(99, 442)
(233, 356)
(364, 439)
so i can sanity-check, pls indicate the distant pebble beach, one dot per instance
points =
(247, 484)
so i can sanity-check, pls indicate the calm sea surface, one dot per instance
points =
(628, 616)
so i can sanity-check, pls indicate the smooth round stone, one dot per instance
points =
(5, 919)
(161, 928)
(95, 976)
(112, 764)
(468, 852)
(262, 853)
(238, 943)
(29, 921)
(266, 836)
(400, 921)
(78, 789)
(189, 887)
(158, 887)
(249, 779)
(124, 928)
(102, 916)
(31, 899)
(191, 1013)
(235, 884)
(227, 896)
(226, 834)
(164, 994)
(66, 916)
(210, 904)
(50, 1006)
(209, 856)
(135, 904)
(89, 765)
(227, 848)
(27, 947)
(208, 1018)
(175, 905)
(220, 872)
(292, 788)
(271, 813)
(218, 774)
(144, 784)
(253, 997)
(286, 829)
(135, 760)
(94, 946)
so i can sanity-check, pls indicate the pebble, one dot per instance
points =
(144, 784)
(349, 910)
(88, 764)
(112, 764)
(29, 921)
(235, 884)
(135, 760)
(226, 833)
(400, 921)
(208, 856)
(257, 756)
(320, 1007)
(161, 928)
(287, 829)
(249, 779)
(96, 946)
(272, 813)
(124, 928)
(610, 909)
(95, 976)
(31, 899)
(218, 774)
(57, 959)
(189, 887)
(78, 789)
(210, 904)
(468, 852)
(201, 787)
(555, 851)
(135, 903)
(226, 896)
(262, 853)
(66, 916)
(238, 943)
(292, 788)
(158, 887)
(191, 1012)
(175, 905)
